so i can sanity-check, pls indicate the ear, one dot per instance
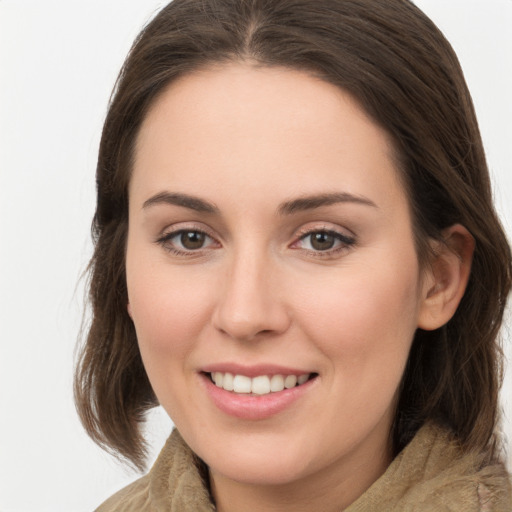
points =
(129, 309)
(446, 278)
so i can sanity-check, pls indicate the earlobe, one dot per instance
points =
(129, 309)
(446, 278)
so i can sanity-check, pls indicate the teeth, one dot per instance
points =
(227, 383)
(277, 383)
(261, 385)
(241, 384)
(218, 378)
(302, 379)
(290, 381)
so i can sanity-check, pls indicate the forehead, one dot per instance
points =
(260, 124)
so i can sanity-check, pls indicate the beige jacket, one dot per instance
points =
(429, 475)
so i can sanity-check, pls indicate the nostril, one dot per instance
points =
(247, 310)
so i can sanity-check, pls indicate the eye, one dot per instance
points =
(324, 241)
(190, 240)
(185, 241)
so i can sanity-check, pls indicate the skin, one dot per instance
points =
(247, 140)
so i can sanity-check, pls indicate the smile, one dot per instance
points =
(257, 393)
(259, 385)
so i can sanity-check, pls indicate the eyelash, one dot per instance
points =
(165, 241)
(345, 242)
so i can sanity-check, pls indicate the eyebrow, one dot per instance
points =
(178, 199)
(303, 203)
(316, 201)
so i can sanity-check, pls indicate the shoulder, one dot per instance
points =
(444, 477)
(462, 480)
(132, 498)
(433, 473)
(177, 481)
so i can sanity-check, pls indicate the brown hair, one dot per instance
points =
(404, 73)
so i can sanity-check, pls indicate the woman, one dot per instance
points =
(297, 256)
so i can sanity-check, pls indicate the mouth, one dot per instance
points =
(259, 385)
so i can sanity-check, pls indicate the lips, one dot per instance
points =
(256, 392)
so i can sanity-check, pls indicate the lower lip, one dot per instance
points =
(254, 407)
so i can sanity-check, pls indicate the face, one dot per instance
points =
(270, 250)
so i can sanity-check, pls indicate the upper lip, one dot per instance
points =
(253, 370)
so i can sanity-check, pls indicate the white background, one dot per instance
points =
(58, 62)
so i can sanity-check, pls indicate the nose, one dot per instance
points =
(251, 300)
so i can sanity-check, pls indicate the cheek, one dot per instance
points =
(167, 309)
(168, 312)
(366, 323)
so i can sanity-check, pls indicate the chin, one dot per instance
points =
(260, 471)
(276, 459)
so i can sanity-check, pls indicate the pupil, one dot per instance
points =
(192, 239)
(322, 241)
